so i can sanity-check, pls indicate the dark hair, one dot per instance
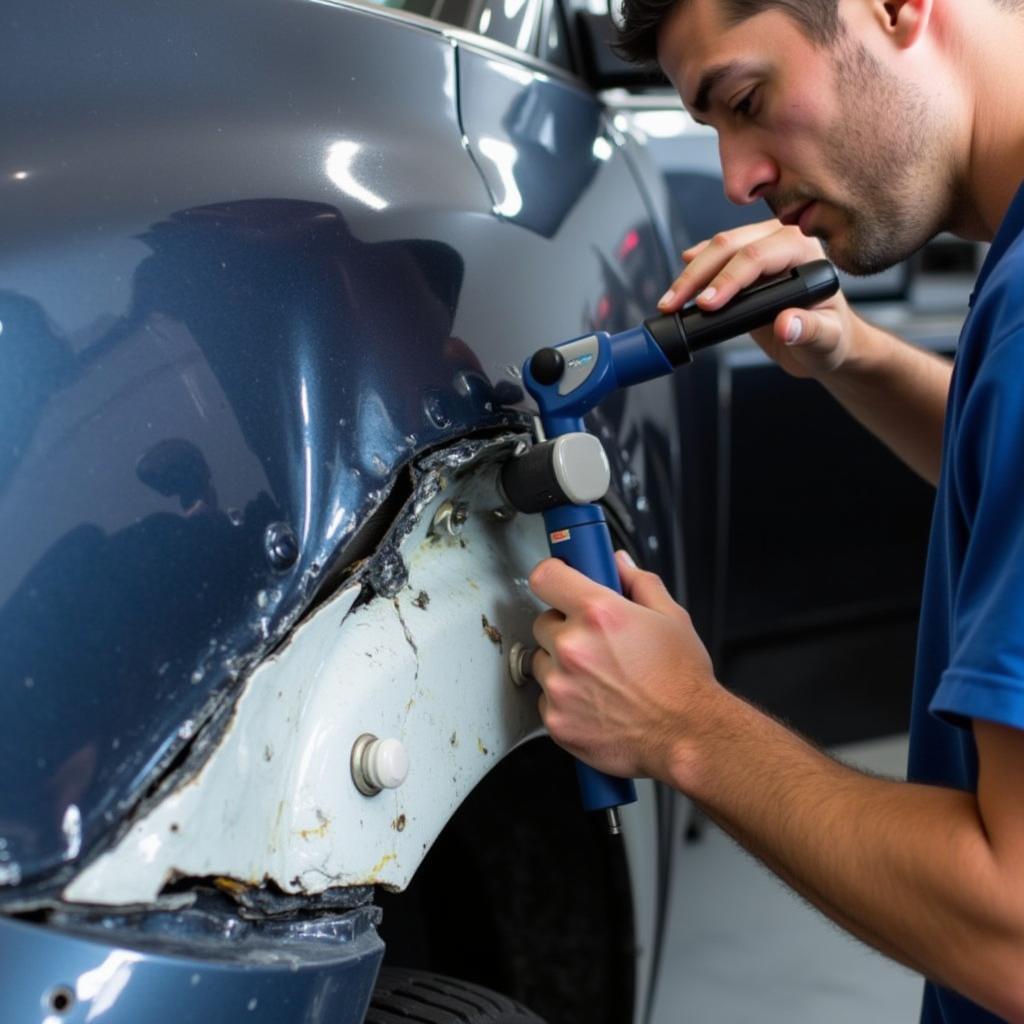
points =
(642, 20)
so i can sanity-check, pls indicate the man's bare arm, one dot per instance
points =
(899, 392)
(932, 877)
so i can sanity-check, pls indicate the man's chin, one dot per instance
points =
(857, 261)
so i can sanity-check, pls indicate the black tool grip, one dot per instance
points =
(681, 334)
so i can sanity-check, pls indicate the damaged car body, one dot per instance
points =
(262, 307)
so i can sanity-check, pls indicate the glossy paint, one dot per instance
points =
(254, 262)
(191, 969)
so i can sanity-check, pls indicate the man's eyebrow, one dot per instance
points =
(711, 78)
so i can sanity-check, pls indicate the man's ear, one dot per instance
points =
(903, 21)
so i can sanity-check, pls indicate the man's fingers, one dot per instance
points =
(541, 665)
(762, 257)
(813, 331)
(545, 627)
(562, 587)
(643, 588)
(708, 258)
(694, 250)
(717, 269)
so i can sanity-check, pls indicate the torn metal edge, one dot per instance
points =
(383, 574)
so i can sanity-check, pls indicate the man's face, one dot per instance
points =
(829, 137)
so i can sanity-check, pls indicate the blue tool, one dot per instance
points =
(565, 474)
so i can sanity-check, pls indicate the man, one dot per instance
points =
(872, 126)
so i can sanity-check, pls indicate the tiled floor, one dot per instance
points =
(743, 949)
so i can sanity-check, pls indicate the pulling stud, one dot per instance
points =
(378, 764)
(520, 660)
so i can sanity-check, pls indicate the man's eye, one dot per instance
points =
(745, 107)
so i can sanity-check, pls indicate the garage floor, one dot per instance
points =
(741, 947)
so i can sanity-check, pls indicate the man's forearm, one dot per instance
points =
(899, 392)
(907, 868)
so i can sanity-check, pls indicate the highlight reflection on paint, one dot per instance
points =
(504, 156)
(340, 156)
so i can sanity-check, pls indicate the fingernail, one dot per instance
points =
(625, 556)
(666, 298)
(707, 295)
(796, 328)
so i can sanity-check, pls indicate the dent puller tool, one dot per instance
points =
(567, 472)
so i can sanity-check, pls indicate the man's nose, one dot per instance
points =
(747, 173)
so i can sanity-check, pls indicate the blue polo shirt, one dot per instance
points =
(970, 658)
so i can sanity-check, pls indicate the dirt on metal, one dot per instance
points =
(493, 633)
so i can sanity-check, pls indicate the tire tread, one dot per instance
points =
(406, 996)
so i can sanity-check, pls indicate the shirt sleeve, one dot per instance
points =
(985, 677)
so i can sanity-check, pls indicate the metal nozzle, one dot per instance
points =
(612, 820)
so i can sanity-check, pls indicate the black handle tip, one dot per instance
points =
(547, 365)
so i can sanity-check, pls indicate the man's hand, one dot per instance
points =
(622, 676)
(895, 390)
(804, 343)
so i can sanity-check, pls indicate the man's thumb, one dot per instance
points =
(643, 588)
(799, 327)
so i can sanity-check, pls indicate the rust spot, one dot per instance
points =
(379, 866)
(320, 831)
(421, 600)
(174, 826)
(229, 885)
(493, 633)
(399, 823)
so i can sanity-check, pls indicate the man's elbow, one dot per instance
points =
(998, 980)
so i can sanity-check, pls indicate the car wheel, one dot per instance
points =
(403, 995)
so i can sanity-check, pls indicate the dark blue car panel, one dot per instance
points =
(249, 270)
(309, 972)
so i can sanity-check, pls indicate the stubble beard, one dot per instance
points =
(886, 154)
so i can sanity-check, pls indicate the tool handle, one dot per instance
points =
(681, 334)
(579, 536)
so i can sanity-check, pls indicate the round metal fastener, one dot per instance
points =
(450, 518)
(281, 546)
(520, 661)
(378, 764)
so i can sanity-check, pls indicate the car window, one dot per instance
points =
(553, 45)
(514, 22)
